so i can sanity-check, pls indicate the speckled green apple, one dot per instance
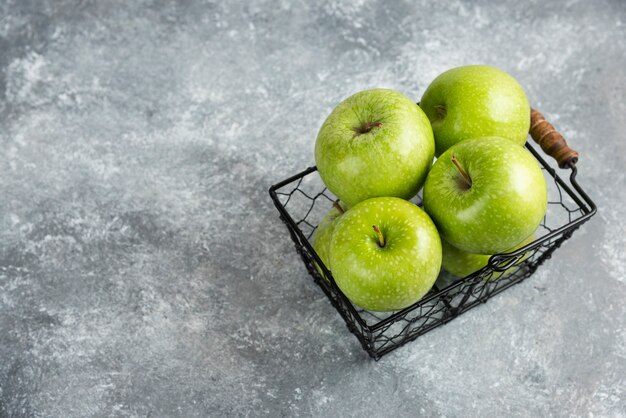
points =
(375, 143)
(474, 101)
(385, 254)
(461, 263)
(489, 200)
(324, 231)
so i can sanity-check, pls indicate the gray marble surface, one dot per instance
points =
(145, 272)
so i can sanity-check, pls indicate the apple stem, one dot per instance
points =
(381, 238)
(338, 207)
(466, 176)
(369, 125)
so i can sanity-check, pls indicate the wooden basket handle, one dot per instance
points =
(550, 140)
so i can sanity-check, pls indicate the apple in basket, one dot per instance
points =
(375, 143)
(460, 263)
(385, 254)
(324, 231)
(476, 101)
(486, 195)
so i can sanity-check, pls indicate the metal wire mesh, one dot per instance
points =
(303, 200)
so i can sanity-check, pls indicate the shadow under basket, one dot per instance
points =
(303, 200)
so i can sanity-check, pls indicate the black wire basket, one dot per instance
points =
(302, 200)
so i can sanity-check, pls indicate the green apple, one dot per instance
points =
(324, 231)
(461, 263)
(486, 195)
(475, 101)
(375, 143)
(385, 254)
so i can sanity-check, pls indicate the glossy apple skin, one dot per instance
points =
(323, 233)
(391, 159)
(391, 277)
(505, 204)
(461, 263)
(479, 101)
